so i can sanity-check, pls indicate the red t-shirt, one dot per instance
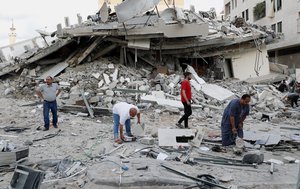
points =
(185, 85)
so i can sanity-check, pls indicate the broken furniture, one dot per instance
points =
(26, 178)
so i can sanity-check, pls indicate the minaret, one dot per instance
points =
(12, 35)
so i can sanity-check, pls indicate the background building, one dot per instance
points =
(281, 16)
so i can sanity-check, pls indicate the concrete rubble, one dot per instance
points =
(139, 58)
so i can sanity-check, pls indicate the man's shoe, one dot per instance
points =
(55, 126)
(45, 129)
(179, 125)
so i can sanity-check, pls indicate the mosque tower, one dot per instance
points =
(12, 35)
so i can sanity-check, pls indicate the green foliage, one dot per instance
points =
(259, 11)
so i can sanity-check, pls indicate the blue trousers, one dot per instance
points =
(117, 124)
(47, 106)
(227, 135)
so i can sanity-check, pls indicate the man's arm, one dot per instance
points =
(39, 94)
(139, 118)
(58, 91)
(232, 123)
(185, 97)
(241, 123)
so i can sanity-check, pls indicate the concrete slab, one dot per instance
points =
(175, 137)
(55, 70)
(216, 92)
(130, 8)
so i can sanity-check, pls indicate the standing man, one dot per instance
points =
(233, 117)
(48, 94)
(122, 112)
(186, 97)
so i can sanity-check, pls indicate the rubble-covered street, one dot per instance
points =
(138, 58)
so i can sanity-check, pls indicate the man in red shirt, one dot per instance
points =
(186, 97)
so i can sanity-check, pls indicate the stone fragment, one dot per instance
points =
(100, 84)
(147, 140)
(106, 78)
(109, 93)
(96, 75)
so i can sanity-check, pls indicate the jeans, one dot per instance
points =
(117, 124)
(187, 113)
(47, 106)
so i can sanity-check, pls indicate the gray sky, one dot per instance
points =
(29, 15)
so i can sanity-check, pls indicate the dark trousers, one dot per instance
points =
(294, 100)
(187, 113)
(47, 106)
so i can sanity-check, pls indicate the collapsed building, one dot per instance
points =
(166, 40)
(137, 55)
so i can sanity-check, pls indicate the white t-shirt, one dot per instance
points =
(122, 109)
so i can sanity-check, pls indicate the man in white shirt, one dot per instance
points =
(122, 112)
(48, 93)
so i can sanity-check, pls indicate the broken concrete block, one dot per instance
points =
(82, 114)
(113, 85)
(144, 88)
(64, 84)
(32, 73)
(9, 90)
(127, 79)
(122, 79)
(226, 178)
(94, 99)
(100, 84)
(147, 140)
(174, 81)
(109, 93)
(253, 158)
(288, 159)
(108, 100)
(111, 66)
(96, 75)
(175, 137)
(115, 75)
(106, 78)
(158, 87)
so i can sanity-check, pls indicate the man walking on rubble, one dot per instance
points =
(48, 93)
(122, 112)
(233, 117)
(186, 97)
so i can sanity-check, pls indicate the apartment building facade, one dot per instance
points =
(282, 16)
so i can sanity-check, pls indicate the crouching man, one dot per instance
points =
(122, 112)
(233, 118)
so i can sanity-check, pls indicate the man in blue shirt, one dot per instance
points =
(233, 117)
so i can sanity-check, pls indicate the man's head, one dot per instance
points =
(246, 98)
(132, 112)
(49, 80)
(187, 75)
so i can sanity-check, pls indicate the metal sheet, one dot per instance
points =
(130, 8)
